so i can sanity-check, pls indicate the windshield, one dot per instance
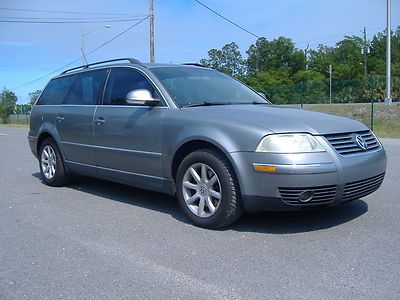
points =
(197, 86)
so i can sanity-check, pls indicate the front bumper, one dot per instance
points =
(328, 176)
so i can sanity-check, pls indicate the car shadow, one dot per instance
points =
(125, 194)
(266, 222)
(301, 221)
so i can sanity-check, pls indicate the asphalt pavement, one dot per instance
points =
(94, 239)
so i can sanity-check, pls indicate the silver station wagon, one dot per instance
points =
(193, 132)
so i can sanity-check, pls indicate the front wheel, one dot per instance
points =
(207, 189)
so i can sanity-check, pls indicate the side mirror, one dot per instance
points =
(141, 97)
(262, 95)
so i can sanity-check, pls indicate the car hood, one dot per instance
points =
(279, 119)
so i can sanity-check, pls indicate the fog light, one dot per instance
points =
(306, 196)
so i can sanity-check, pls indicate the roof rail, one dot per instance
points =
(194, 64)
(131, 60)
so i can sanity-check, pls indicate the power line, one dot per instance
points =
(68, 22)
(332, 36)
(332, 39)
(90, 52)
(63, 12)
(117, 36)
(70, 18)
(226, 19)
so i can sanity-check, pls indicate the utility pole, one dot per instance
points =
(330, 84)
(151, 13)
(388, 99)
(365, 52)
(305, 55)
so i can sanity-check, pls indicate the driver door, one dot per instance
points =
(128, 138)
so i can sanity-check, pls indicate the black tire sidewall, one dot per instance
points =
(207, 157)
(60, 177)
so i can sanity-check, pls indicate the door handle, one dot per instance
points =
(60, 118)
(99, 121)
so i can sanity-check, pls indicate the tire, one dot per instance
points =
(207, 201)
(50, 156)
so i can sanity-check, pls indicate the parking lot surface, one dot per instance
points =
(96, 239)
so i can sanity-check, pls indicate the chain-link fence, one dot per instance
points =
(340, 91)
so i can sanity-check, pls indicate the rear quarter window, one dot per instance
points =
(55, 91)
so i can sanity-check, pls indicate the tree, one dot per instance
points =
(7, 104)
(349, 60)
(228, 60)
(346, 59)
(278, 53)
(257, 60)
(376, 59)
(308, 75)
(320, 59)
(278, 68)
(33, 96)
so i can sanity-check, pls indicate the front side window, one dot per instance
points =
(56, 90)
(122, 81)
(87, 88)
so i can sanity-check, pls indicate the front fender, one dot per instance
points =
(181, 127)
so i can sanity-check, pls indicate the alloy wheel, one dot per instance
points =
(48, 162)
(201, 190)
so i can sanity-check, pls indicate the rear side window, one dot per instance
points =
(55, 91)
(121, 82)
(87, 88)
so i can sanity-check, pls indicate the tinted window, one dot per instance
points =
(87, 88)
(121, 82)
(55, 91)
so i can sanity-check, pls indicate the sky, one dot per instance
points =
(184, 31)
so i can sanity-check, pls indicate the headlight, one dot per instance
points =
(289, 143)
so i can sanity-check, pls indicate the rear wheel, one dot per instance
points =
(207, 189)
(51, 164)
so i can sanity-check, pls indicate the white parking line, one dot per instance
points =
(3, 134)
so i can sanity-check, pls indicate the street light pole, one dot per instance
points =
(388, 99)
(151, 13)
(330, 84)
(365, 50)
(83, 34)
(83, 46)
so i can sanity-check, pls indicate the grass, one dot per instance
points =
(386, 118)
(15, 125)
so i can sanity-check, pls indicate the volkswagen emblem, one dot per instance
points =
(361, 142)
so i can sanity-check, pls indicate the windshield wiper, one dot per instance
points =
(256, 102)
(251, 102)
(207, 103)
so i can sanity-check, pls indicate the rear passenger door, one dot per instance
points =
(128, 138)
(74, 120)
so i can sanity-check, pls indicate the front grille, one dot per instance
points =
(321, 194)
(345, 143)
(361, 188)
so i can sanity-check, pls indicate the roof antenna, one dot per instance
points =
(84, 56)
